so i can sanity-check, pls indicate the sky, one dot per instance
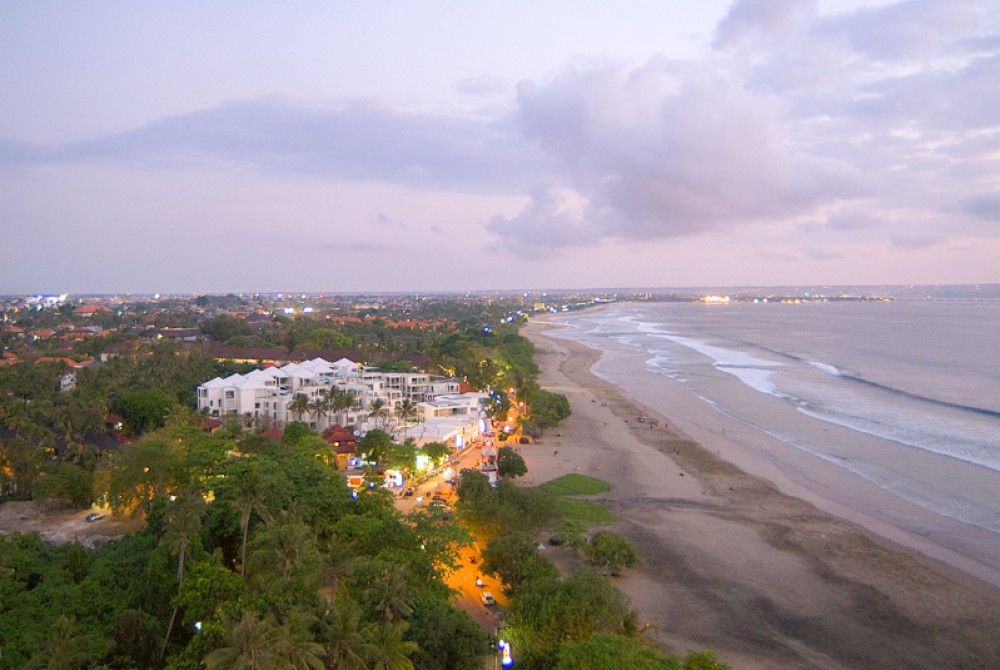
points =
(191, 147)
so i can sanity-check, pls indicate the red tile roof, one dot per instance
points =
(344, 440)
(65, 361)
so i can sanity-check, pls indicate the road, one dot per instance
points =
(463, 580)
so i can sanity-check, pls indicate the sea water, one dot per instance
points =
(923, 378)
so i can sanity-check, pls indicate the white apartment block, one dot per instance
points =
(268, 394)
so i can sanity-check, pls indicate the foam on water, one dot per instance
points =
(909, 392)
(755, 372)
(831, 370)
(720, 355)
(918, 434)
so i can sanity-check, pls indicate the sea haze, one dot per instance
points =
(903, 394)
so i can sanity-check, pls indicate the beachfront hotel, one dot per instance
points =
(441, 411)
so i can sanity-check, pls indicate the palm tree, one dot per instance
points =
(379, 412)
(406, 410)
(183, 523)
(64, 649)
(250, 499)
(326, 407)
(390, 650)
(299, 405)
(337, 563)
(251, 644)
(318, 406)
(341, 633)
(294, 643)
(284, 548)
(389, 595)
(76, 450)
(341, 401)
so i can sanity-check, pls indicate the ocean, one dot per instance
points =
(904, 395)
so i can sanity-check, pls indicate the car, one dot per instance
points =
(487, 598)
(439, 499)
(408, 491)
(479, 581)
(94, 516)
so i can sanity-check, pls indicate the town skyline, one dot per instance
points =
(392, 149)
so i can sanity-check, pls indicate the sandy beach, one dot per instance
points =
(731, 563)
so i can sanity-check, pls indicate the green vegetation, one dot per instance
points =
(282, 564)
(611, 551)
(545, 408)
(581, 513)
(575, 485)
(584, 512)
(580, 621)
(494, 511)
(510, 464)
(614, 652)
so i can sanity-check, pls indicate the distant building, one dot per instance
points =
(90, 310)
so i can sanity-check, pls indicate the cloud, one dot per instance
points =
(554, 219)
(853, 219)
(356, 247)
(961, 98)
(872, 124)
(382, 219)
(484, 86)
(823, 253)
(664, 150)
(904, 30)
(361, 140)
(752, 18)
(916, 241)
(878, 125)
(983, 206)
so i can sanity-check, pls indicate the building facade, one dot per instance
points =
(300, 392)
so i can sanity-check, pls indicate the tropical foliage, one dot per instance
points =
(282, 568)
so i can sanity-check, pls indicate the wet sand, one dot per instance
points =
(732, 563)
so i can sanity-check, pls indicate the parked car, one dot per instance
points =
(487, 598)
(408, 491)
(94, 516)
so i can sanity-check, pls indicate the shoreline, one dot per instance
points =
(734, 564)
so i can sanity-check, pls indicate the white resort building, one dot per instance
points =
(437, 408)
